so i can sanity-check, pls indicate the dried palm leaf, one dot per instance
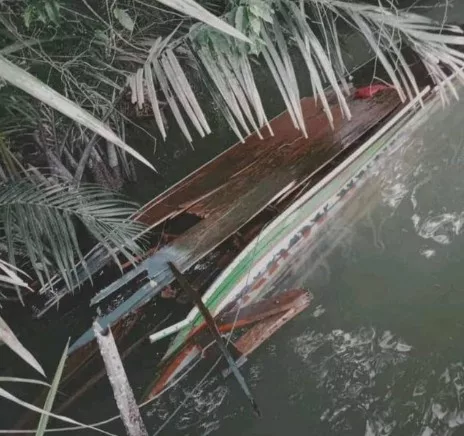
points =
(193, 9)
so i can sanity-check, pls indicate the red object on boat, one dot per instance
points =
(370, 91)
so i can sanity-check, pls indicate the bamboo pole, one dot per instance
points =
(185, 285)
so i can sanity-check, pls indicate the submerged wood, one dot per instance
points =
(98, 257)
(267, 171)
(244, 316)
(277, 203)
(281, 306)
(122, 391)
(251, 230)
(252, 270)
(262, 331)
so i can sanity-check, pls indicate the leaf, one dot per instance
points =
(124, 19)
(284, 74)
(220, 103)
(8, 337)
(370, 38)
(162, 79)
(237, 90)
(52, 393)
(262, 10)
(140, 88)
(38, 221)
(28, 16)
(255, 24)
(154, 99)
(223, 87)
(187, 89)
(239, 18)
(180, 93)
(23, 380)
(11, 277)
(38, 89)
(52, 11)
(10, 397)
(193, 9)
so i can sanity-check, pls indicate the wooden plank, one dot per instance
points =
(218, 171)
(290, 161)
(262, 331)
(272, 308)
(256, 335)
(176, 366)
(256, 312)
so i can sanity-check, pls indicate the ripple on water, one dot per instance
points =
(364, 373)
(198, 412)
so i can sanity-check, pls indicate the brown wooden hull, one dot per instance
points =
(263, 318)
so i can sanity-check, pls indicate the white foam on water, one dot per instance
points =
(456, 419)
(414, 201)
(427, 432)
(403, 348)
(441, 228)
(420, 388)
(394, 195)
(210, 427)
(346, 367)
(319, 311)
(200, 410)
(255, 373)
(428, 253)
(438, 411)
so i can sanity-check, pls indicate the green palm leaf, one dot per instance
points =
(38, 89)
(40, 221)
(10, 340)
(52, 393)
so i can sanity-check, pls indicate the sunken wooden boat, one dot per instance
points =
(250, 206)
(235, 195)
(243, 289)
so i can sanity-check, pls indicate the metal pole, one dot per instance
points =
(185, 285)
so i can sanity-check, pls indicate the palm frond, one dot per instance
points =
(193, 9)
(35, 87)
(40, 220)
(12, 398)
(11, 276)
(386, 28)
(273, 29)
(52, 393)
(10, 340)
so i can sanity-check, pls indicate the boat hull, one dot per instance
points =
(245, 280)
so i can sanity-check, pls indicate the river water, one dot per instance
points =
(380, 351)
